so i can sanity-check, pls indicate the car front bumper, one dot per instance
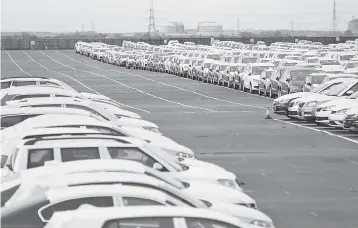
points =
(322, 117)
(293, 112)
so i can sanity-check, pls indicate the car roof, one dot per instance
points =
(24, 90)
(47, 121)
(6, 110)
(85, 166)
(55, 195)
(99, 216)
(262, 64)
(81, 144)
(48, 100)
(22, 78)
(46, 132)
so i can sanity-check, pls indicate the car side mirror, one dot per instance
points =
(158, 166)
(264, 77)
(217, 71)
(349, 92)
(277, 78)
(288, 80)
(309, 83)
(249, 74)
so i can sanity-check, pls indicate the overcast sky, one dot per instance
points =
(132, 15)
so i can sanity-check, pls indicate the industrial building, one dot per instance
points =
(209, 29)
(353, 26)
(172, 28)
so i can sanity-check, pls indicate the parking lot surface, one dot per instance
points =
(300, 175)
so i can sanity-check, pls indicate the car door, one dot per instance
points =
(284, 82)
(47, 211)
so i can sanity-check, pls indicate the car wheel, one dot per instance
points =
(251, 90)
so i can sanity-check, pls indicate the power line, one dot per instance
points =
(151, 26)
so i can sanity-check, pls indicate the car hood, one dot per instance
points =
(312, 97)
(207, 173)
(120, 112)
(124, 121)
(292, 96)
(156, 139)
(340, 103)
(199, 163)
(238, 211)
(202, 189)
(94, 96)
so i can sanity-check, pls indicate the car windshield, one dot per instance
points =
(330, 62)
(313, 61)
(228, 59)
(337, 89)
(347, 57)
(301, 75)
(222, 67)
(234, 69)
(352, 64)
(124, 56)
(103, 50)
(354, 96)
(317, 79)
(213, 56)
(249, 60)
(132, 56)
(257, 70)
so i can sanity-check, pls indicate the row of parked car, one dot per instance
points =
(76, 159)
(306, 77)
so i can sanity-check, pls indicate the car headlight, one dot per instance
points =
(152, 129)
(229, 183)
(328, 108)
(282, 101)
(255, 222)
(184, 155)
(261, 223)
(342, 111)
(311, 104)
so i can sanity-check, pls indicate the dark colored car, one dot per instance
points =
(351, 122)
(293, 80)
(274, 81)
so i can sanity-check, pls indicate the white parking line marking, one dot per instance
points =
(314, 214)
(353, 162)
(125, 85)
(18, 65)
(145, 78)
(287, 193)
(79, 82)
(318, 130)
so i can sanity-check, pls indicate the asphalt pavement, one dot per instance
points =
(300, 175)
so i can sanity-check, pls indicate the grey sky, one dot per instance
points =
(132, 15)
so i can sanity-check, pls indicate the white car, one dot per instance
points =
(46, 121)
(250, 78)
(127, 172)
(341, 106)
(155, 216)
(107, 112)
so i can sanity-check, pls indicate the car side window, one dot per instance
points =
(133, 154)
(206, 223)
(46, 106)
(20, 97)
(75, 154)
(131, 201)
(23, 83)
(73, 204)
(8, 121)
(38, 157)
(354, 89)
(152, 222)
(5, 85)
